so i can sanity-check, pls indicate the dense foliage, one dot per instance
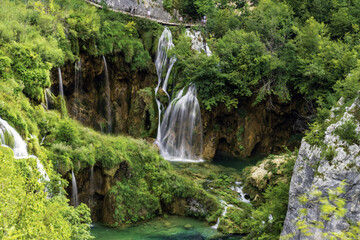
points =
(273, 49)
(26, 209)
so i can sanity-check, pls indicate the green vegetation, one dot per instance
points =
(26, 211)
(347, 132)
(273, 50)
(331, 206)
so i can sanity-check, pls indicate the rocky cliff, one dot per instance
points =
(324, 167)
(241, 132)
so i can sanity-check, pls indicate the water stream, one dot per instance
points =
(78, 87)
(108, 97)
(74, 191)
(9, 137)
(61, 88)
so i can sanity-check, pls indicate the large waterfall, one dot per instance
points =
(10, 137)
(181, 128)
(108, 98)
(179, 134)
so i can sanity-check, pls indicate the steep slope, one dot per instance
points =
(317, 203)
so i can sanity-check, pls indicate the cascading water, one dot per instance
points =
(61, 88)
(10, 137)
(49, 98)
(179, 135)
(108, 99)
(181, 128)
(91, 187)
(78, 86)
(239, 189)
(163, 63)
(74, 191)
(197, 42)
(223, 203)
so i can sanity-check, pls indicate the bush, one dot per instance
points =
(347, 132)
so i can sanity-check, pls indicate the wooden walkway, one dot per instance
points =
(141, 16)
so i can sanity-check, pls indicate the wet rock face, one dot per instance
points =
(241, 132)
(128, 106)
(140, 7)
(95, 193)
(252, 129)
(313, 171)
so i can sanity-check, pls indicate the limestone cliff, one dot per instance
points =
(241, 132)
(324, 167)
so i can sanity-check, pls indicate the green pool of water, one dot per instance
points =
(226, 160)
(172, 228)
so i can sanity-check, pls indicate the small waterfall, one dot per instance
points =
(197, 42)
(181, 128)
(10, 137)
(78, 87)
(223, 203)
(108, 99)
(49, 98)
(239, 189)
(74, 191)
(91, 187)
(61, 89)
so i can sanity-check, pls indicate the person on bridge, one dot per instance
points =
(148, 13)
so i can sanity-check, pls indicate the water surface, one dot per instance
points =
(172, 228)
(237, 163)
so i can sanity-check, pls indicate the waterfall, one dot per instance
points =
(108, 99)
(181, 128)
(74, 191)
(91, 187)
(49, 98)
(179, 135)
(239, 189)
(163, 63)
(61, 89)
(78, 87)
(223, 203)
(197, 42)
(10, 137)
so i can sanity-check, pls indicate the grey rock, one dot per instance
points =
(313, 172)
